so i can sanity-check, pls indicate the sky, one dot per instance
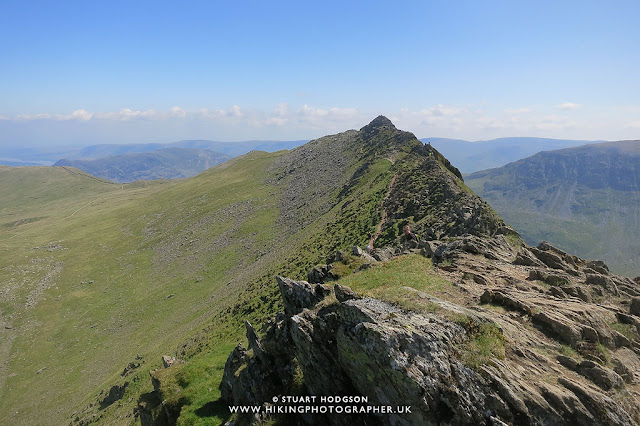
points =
(82, 73)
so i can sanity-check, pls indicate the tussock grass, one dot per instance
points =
(386, 280)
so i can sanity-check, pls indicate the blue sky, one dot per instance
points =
(120, 72)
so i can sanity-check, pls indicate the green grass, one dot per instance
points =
(140, 269)
(486, 342)
(124, 251)
(603, 353)
(386, 280)
(514, 240)
(627, 330)
(94, 275)
(193, 388)
(567, 350)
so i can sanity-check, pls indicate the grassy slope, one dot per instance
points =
(143, 269)
(117, 260)
(50, 231)
(355, 213)
(170, 268)
(346, 224)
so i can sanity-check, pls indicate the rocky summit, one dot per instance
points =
(470, 326)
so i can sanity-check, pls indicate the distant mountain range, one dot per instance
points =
(47, 156)
(471, 157)
(169, 163)
(585, 200)
(468, 156)
(232, 149)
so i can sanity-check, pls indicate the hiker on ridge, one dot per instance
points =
(409, 239)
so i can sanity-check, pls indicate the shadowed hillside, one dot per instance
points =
(169, 163)
(585, 200)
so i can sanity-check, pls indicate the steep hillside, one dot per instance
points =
(585, 200)
(94, 296)
(170, 163)
(471, 157)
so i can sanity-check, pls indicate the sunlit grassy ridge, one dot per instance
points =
(96, 276)
(128, 274)
(140, 269)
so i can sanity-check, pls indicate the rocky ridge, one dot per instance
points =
(520, 335)
(565, 361)
(561, 334)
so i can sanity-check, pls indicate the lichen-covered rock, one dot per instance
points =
(298, 295)
(344, 293)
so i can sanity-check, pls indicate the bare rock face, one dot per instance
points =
(344, 293)
(298, 295)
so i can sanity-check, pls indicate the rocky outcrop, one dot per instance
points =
(431, 192)
(357, 346)
(162, 405)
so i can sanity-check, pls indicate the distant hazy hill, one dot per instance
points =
(16, 156)
(232, 149)
(470, 157)
(585, 200)
(17, 163)
(46, 156)
(169, 163)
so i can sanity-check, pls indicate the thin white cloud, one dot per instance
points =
(308, 111)
(232, 112)
(438, 115)
(553, 122)
(281, 109)
(477, 122)
(470, 121)
(129, 114)
(343, 112)
(491, 123)
(439, 110)
(568, 106)
(124, 114)
(276, 121)
(178, 112)
(79, 114)
(43, 116)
